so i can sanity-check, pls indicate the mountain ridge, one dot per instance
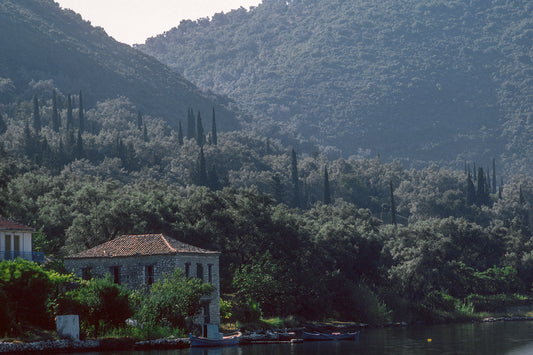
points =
(43, 42)
(417, 81)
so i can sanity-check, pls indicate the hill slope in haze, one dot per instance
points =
(39, 41)
(418, 80)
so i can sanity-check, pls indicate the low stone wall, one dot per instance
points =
(49, 346)
(71, 346)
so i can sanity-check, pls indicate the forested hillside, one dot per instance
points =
(43, 47)
(353, 233)
(417, 80)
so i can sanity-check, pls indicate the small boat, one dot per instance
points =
(206, 342)
(330, 336)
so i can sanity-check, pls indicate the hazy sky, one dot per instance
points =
(132, 21)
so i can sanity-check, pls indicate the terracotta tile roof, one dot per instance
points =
(144, 244)
(10, 225)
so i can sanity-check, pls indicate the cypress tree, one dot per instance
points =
(482, 191)
(56, 122)
(180, 134)
(212, 177)
(470, 191)
(28, 140)
(202, 169)
(327, 195)
(277, 188)
(487, 180)
(81, 117)
(493, 175)
(3, 125)
(200, 136)
(475, 172)
(191, 128)
(392, 205)
(500, 189)
(139, 121)
(36, 116)
(78, 153)
(295, 180)
(70, 118)
(214, 140)
(145, 133)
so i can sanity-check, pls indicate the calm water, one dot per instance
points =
(474, 338)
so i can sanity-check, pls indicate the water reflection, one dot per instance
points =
(472, 338)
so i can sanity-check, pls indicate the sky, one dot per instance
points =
(133, 21)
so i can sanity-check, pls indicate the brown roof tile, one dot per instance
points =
(10, 225)
(144, 244)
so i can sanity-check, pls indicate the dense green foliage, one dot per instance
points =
(43, 45)
(100, 303)
(172, 301)
(300, 234)
(344, 259)
(24, 290)
(416, 80)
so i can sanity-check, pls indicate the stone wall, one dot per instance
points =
(134, 272)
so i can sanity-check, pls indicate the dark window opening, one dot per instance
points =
(115, 274)
(210, 273)
(207, 314)
(16, 242)
(200, 271)
(149, 274)
(8, 243)
(86, 273)
(187, 269)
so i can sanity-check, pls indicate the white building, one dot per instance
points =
(16, 241)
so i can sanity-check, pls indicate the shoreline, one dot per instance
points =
(65, 346)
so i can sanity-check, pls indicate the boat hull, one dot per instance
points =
(206, 342)
(330, 336)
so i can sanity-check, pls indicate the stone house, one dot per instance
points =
(137, 261)
(16, 242)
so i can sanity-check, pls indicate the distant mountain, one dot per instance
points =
(39, 42)
(439, 80)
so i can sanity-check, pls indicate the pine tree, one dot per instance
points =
(56, 122)
(191, 127)
(295, 180)
(81, 117)
(214, 140)
(36, 116)
(70, 118)
(180, 134)
(392, 205)
(200, 136)
(327, 195)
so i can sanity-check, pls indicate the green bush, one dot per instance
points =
(25, 288)
(100, 303)
(496, 303)
(172, 301)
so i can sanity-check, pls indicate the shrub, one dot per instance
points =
(100, 303)
(26, 288)
(173, 301)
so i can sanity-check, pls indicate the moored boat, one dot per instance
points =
(330, 336)
(206, 342)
